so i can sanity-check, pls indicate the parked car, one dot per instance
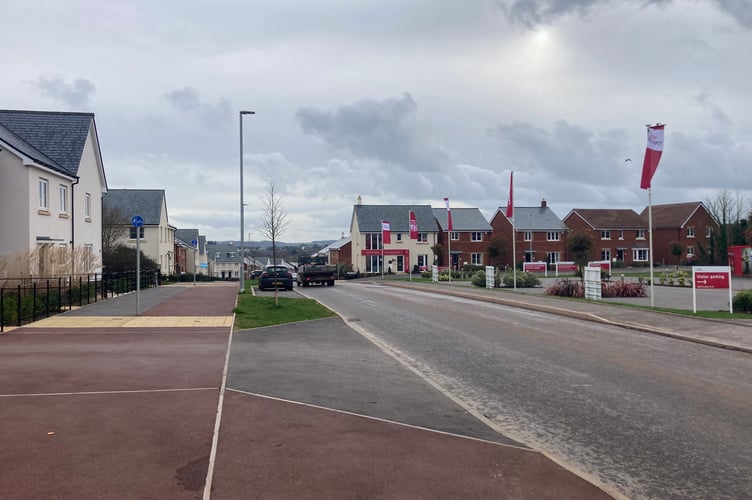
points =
(256, 274)
(275, 277)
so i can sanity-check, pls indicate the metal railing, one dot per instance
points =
(28, 299)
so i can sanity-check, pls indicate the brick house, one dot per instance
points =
(539, 234)
(619, 235)
(689, 224)
(468, 240)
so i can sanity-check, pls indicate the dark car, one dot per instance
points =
(275, 277)
(255, 274)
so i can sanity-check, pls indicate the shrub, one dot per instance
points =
(566, 288)
(742, 301)
(623, 289)
(479, 279)
(524, 280)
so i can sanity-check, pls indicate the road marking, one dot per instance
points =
(90, 393)
(62, 321)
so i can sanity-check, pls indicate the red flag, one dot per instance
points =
(510, 202)
(449, 214)
(385, 233)
(413, 226)
(652, 154)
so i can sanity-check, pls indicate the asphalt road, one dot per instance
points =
(650, 416)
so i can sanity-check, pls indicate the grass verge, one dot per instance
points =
(254, 311)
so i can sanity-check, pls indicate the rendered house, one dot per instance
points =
(539, 234)
(689, 224)
(468, 239)
(403, 253)
(52, 181)
(157, 236)
(224, 260)
(194, 257)
(619, 235)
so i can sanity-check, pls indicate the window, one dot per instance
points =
(606, 254)
(640, 234)
(399, 236)
(552, 236)
(553, 257)
(621, 234)
(528, 236)
(140, 232)
(640, 254)
(476, 259)
(87, 205)
(690, 251)
(455, 236)
(690, 232)
(476, 236)
(606, 234)
(373, 241)
(373, 263)
(422, 237)
(63, 199)
(422, 261)
(708, 231)
(44, 193)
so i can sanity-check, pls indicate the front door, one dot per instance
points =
(400, 263)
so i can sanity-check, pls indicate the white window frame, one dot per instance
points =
(605, 234)
(639, 255)
(528, 236)
(621, 234)
(87, 205)
(399, 237)
(640, 234)
(422, 238)
(708, 231)
(476, 236)
(476, 259)
(63, 192)
(690, 251)
(552, 236)
(44, 194)
(553, 257)
(140, 231)
(690, 231)
(454, 235)
(606, 254)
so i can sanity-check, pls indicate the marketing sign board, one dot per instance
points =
(711, 278)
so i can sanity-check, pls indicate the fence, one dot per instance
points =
(25, 300)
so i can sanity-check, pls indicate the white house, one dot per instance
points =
(52, 181)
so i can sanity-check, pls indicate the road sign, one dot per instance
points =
(711, 278)
(193, 242)
(137, 221)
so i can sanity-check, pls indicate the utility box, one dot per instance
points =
(739, 257)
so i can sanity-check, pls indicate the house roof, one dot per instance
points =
(536, 219)
(463, 219)
(54, 139)
(370, 216)
(606, 218)
(187, 235)
(335, 245)
(220, 252)
(147, 203)
(672, 215)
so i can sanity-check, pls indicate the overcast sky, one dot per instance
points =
(398, 101)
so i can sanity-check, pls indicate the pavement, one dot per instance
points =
(101, 402)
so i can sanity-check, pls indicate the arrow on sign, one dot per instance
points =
(702, 282)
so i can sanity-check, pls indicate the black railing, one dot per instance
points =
(25, 300)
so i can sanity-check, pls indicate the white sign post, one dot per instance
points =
(138, 222)
(490, 276)
(711, 278)
(435, 273)
(593, 283)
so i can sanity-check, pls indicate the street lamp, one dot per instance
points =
(242, 205)
(531, 237)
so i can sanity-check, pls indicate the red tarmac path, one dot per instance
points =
(104, 413)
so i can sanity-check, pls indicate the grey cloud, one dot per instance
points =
(75, 94)
(385, 131)
(739, 10)
(212, 116)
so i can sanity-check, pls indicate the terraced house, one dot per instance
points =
(52, 180)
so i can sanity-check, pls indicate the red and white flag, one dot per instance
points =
(510, 201)
(386, 236)
(449, 214)
(652, 154)
(413, 226)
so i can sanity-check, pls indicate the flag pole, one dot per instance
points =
(409, 269)
(514, 254)
(650, 245)
(382, 250)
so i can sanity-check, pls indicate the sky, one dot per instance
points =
(396, 101)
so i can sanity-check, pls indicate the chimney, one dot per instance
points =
(360, 200)
(543, 203)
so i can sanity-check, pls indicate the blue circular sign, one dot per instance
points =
(137, 221)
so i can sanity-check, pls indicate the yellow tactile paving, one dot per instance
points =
(132, 321)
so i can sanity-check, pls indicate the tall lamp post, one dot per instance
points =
(242, 205)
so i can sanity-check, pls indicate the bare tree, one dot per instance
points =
(273, 223)
(114, 226)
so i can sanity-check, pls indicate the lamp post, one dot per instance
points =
(531, 237)
(242, 205)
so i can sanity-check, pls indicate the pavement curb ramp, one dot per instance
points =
(585, 316)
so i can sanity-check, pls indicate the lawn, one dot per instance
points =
(254, 311)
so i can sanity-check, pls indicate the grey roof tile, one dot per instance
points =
(463, 219)
(370, 216)
(144, 202)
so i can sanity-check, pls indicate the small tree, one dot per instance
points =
(676, 251)
(113, 227)
(497, 250)
(579, 245)
(438, 251)
(273, 223)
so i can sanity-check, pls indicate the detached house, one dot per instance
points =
(619, 235)
(51, 183)
(156, 234)
(539, 234)
(468, 239)
(689, 224)
(402, 254)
